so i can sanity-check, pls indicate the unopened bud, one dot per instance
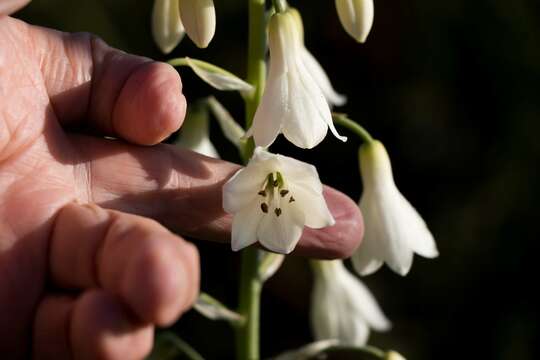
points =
(199, 19)
(167, 28)
(356, 16)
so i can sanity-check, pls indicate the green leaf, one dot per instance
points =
(332, 349)
(168, 346)
(211, 308)
(213, 75)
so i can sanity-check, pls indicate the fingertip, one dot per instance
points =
(102, 328)
(162, 280)
(151, 105)
(340, 240)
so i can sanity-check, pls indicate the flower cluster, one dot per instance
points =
(274, 197)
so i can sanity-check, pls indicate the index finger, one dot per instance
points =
(183, 190)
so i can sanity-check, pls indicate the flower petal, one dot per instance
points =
(244, 226)
(281, 233)
(321, 78)
(268, 118)
(241, 189)
(167, 28)
(418, 235)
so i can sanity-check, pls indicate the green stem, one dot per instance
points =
(343, 120)
(247, 334)
(256, 72)
(280, 5)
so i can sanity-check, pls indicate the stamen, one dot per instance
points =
(262, 193)
(264, 208)
(291, 200)
(277, 211)
(283, 192)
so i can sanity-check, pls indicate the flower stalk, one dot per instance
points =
(247, 335)
(344, 121)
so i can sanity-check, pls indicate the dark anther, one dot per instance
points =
(283, 192)
(275, 183)
(277, 211)
(264, 208)
(262, 193)
(291, 200)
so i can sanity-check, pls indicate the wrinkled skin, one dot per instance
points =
(86, 269)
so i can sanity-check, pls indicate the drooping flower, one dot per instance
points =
(167, 28)
(194, 134)
(342, 307)
(356, 16)
(315, 68)
(292, 103)
(272, 199)
(199, 19)
(394, 230)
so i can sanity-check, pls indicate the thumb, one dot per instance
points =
(10, 6)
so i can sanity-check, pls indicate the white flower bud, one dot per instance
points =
(394, 355)
(199, 19)
(356, 16)
(167, 28)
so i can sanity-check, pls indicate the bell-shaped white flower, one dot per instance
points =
(356, 16)
(272, 199)
(394, 231)
(315, 68)
(199, 19)
(194, 134)
(292, 103)
(342, 307)
(167, 28)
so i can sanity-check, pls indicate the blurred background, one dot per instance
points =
(451, 88)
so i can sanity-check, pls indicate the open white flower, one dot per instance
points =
(315, 68)
(394, 231)
(167, 28)
(292, 103)
(272, 199)
(199, 19)
(342, 307)
(356, 16)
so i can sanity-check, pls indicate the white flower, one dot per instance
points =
(199, 19)
(394, 230)
(272, 198)
(292, 103)
(315, 69)
(356, 16)
(394, 355)
(194, 134)
(167, 28)
(342, 307)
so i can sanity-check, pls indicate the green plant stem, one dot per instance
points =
(247, 334)
(343, 120)
(256, 72)
(280, 5)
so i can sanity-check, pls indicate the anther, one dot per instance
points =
(262, 193)
(264, 208)
(291, 200)
(277, 211)
(283, 192)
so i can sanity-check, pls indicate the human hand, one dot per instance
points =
(84, 271)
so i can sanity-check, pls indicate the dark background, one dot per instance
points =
(451, 88)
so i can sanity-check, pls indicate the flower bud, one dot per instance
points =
(199, 19)
(167, 28)
(356, 16)
(394, 355)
